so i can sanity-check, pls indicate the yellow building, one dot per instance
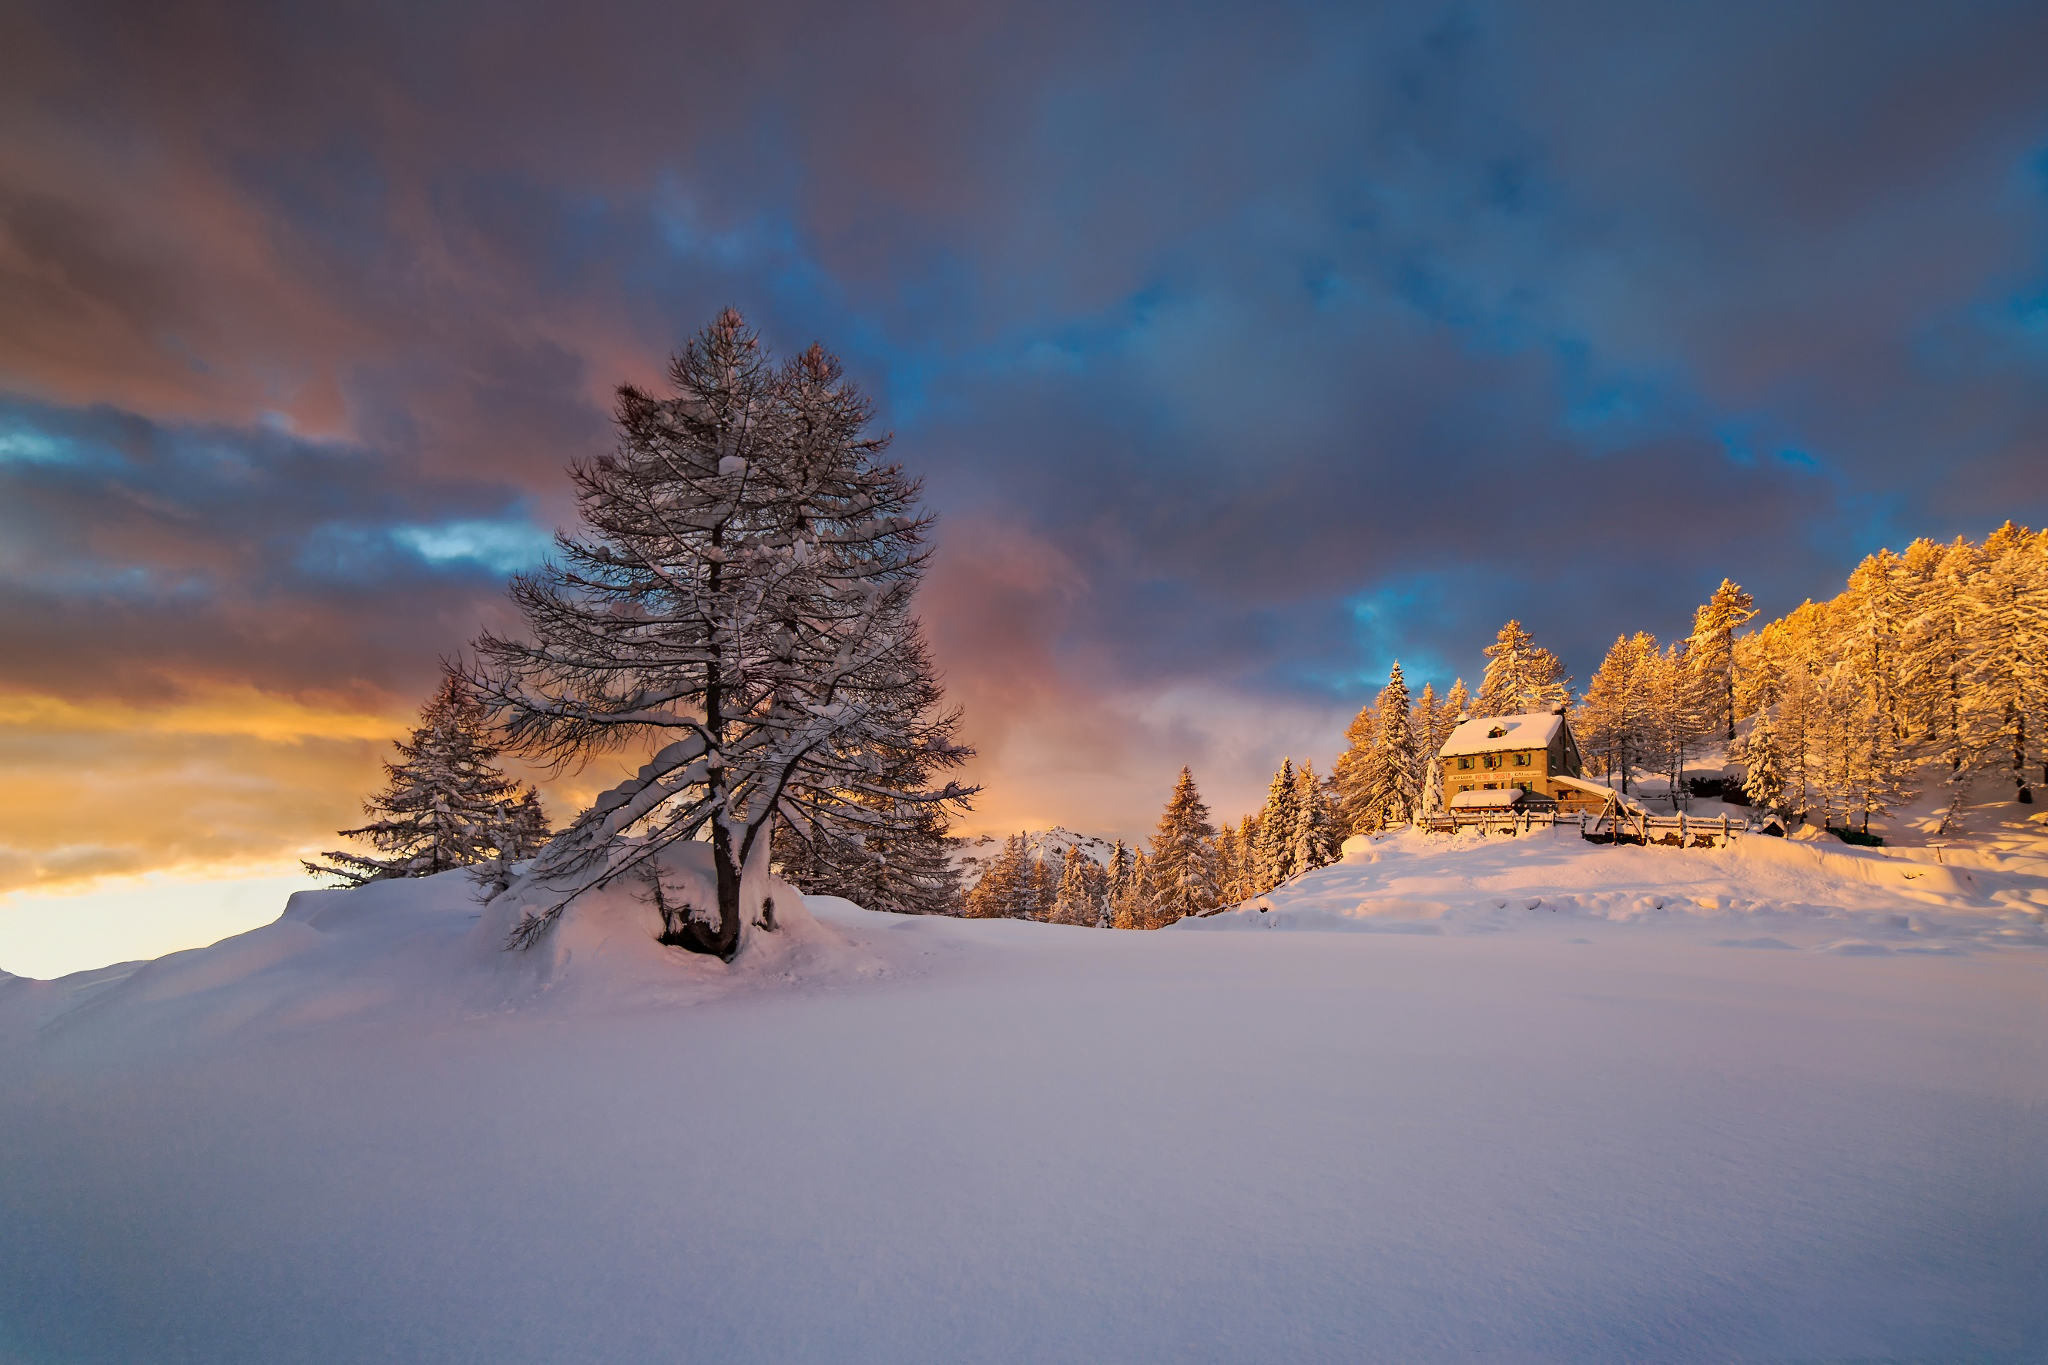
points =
(1531, 755)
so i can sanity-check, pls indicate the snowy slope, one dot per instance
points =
(1581, 1133)
(1763, 892)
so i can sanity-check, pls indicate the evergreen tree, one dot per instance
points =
(1002, 890)
(1457, 708)
(1277, 827)
(1079, 897)
(1392, 782)
(1711, 652)
(739, 602)
(1183, 862)
(1041, 888)
(1318, 837)
(1133, 909)
(445, 803)
(1763, 778)
(1351, 776)
(1521, 676)
(1229, 866)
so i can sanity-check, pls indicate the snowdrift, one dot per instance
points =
(1765, 891)
(428, 951)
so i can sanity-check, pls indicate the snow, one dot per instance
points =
(1534, 730)
(1558, 1102)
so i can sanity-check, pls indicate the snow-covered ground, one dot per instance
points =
(1784, 1101)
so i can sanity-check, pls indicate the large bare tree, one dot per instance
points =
(737, 603)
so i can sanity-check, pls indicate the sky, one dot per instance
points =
(1243, 350)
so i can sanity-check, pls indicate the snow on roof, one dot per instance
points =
(1580, 784)
(1499, 796)
(1532, 731)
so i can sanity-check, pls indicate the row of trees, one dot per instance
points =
(1937, 655)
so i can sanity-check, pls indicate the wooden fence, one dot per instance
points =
(1610, 827)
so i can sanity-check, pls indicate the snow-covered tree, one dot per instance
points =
(1319, 837)
(1710, 652)
(1391, 786)
(1350, 776)
(1521, 676)
(1003, 888)
(1083, 890)
(738, 603)
(1763, 778)
(907, 870)
(445, 803)
(1182, 867)
(1274, 853)
(1616, 720)
(1131, 908)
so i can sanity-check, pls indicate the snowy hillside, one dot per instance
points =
(1553, 1105)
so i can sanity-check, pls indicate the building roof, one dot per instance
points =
(1495, 799)
(1580, 784)
(1532, 731)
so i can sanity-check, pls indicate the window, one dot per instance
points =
(1491, 760)
(1464, 763)
(1521, 760)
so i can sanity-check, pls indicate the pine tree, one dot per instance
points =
(1078, 899)
(1133, 909)
(1278, 823)
(1318, 837)
(1763, 778)
(445, 803)
(1711, 652)
(740, 600)
(1004, 885)
(1229, 866)
(1521, 676)
(1351, 775)
(1392, 781)
(1183, 862)
(1041, 888)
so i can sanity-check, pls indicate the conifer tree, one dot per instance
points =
(1521, 676)
(1183, 861)
(737, 606)
(1457, 707)
(1352, 774)
(1133, 909)
(1077, 900)
(1318, 837)
(1711, 652)
(1041, 888)
(1229, 865)
(445, 803)
(1392, 781)
(1004, 884)
(1278, 825)
(1763, 778)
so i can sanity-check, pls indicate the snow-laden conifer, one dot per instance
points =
(1521, 676)
(1003, 888)
(737, 607)
(1389, 793)
(445, 803)
(1182, 866)
(1082, 892)
(1318, 837)
(1278, 826)
(1763, 778)
(1710, 652)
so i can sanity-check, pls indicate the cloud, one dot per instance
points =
(1244, 348)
